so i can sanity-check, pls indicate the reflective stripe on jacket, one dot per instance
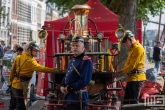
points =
(27, 69)
(135, 60)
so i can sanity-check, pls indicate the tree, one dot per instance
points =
(2, 13)
(156, 38)
(129, 11)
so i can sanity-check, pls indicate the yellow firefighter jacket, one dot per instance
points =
(110, 58)
(27, 69)
(135, 60)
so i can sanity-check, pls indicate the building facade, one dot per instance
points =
(24, 19)
(5, 21)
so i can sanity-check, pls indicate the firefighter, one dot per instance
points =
(12, 105)
(20, 75)
(78, 76)
(133, 68)
(113, 51)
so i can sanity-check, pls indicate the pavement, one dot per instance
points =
(40, 103)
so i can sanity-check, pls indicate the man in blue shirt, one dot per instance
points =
(78, 76)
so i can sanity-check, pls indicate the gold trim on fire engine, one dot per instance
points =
(42, 34)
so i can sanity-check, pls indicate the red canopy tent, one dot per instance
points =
(105, 20)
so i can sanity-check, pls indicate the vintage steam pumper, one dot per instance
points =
(96, 47)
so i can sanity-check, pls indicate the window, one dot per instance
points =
(13, 6)
(32, 14)
(24, 12)
(23, 33)
(38, 15)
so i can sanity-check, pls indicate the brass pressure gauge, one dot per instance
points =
(120, 33)
(42, 34)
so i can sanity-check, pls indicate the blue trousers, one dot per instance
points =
(157, 65)
(33, 97)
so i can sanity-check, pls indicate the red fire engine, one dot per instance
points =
(98, 26)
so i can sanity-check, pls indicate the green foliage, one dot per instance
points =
(145, 7)
(66, 5)
(152, 7)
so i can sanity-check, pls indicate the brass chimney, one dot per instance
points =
(81, 18)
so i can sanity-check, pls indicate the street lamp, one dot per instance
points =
(145, 22)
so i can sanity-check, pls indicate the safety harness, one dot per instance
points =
(22, 78)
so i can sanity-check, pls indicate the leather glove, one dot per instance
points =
(63, 90)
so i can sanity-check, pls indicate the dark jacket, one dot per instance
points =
(77, 82)
(156, 53)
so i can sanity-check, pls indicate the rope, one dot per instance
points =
(101, 103)
(109, 100)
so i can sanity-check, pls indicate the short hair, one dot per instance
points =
(20, 49)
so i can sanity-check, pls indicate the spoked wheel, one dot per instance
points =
(52, 99)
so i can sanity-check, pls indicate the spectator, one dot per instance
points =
(15, 47)
(150, 54)
(157, 55)
(1, 51)
(4, 48)
(32, 95)
(19, 51)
